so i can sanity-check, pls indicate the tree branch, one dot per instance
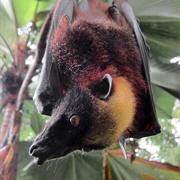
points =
(6, 125)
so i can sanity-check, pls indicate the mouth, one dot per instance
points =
(45, 153)
(42, 154)
(39, 161)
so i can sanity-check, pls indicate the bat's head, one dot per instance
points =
(87, 120)
(103, 93)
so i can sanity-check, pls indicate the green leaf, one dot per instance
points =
(160, 23)
(24, 12)
(25, 9)
(162, 35)
(27, 134)
(23, 160)
(90, 166)
(31, 119)
(37, 123)
(121, 169)
(168, 8)
(7, 22)
(166, 76)
(164, 103)
(77, 166)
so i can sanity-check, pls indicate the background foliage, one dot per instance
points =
(160, 21)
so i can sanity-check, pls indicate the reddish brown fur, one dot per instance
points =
(91, 49)
(60, 32)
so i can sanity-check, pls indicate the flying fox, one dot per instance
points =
(95, 82)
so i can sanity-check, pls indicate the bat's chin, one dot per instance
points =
(43, 158)
(39, 160)
(43, 154)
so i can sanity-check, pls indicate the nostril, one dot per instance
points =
(38, 155)
(32, 149)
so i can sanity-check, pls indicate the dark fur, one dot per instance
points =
(89, 49)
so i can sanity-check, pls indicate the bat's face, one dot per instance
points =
(86, 120)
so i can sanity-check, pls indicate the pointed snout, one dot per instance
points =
(42, 146)
(46, 146)
(33, 151)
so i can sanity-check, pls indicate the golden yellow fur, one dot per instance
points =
(121, 105)
(115, 114)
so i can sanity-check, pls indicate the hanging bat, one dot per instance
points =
(95, 81)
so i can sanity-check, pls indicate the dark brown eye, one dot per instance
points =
(75, 120)
(103, 89)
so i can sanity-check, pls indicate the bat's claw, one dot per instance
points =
(122, 143)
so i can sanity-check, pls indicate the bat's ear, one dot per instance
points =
(49, 89)
(59, 33)
(122, 13)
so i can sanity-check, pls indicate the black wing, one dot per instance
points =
(49, 86)
(151, 127)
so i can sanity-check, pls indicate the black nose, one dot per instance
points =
(33, 149)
